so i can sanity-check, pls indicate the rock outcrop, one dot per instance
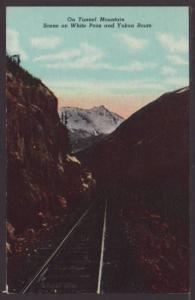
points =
(43, 180)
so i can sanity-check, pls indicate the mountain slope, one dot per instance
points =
(152, 143)
(43, 179)
(87, 126)
(142, 168)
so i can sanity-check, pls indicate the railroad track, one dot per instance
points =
(76, 264)
(93, 257)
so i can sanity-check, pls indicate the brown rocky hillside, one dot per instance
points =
(43, 180)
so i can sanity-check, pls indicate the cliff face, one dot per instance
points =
(149, 152)
(151, 147)
(43, 180)
(143, 170)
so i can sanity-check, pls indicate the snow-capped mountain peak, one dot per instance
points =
(87, 123)
(97, 119)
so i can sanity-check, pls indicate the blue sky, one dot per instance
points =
(121, 68)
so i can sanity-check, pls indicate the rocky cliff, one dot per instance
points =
(150, 147)
(143, 169)
(43, 180)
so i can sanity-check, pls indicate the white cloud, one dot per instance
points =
(45, 42)
(13, 45)
(101, 86)
(60, 56)
(168, 71)
(137, 66)
(177, 82)
(177, 59)
(128, 87)
(173, 44)
(90, 55)
(86, 56)
(91, 63)
(132, 42)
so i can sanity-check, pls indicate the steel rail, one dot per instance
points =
(102, 251)
(43, 268)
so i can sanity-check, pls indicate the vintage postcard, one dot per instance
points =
(97, 149)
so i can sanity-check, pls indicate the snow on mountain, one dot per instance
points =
(97, 120)
(86, 126)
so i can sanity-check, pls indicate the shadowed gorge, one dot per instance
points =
(143, 169)
(130, 190)
(98, 174)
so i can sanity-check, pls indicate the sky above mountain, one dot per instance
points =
(122, 67)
